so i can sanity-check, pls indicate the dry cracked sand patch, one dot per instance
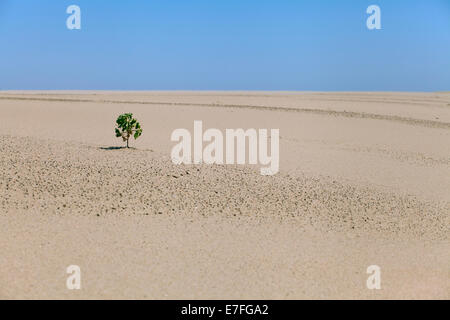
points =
(56, 178)
(364, 180)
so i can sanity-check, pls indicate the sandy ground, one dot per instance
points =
(364, 180)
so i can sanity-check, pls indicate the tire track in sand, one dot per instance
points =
(346, 114)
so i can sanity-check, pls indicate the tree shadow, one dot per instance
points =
(122, 148)
(113, 148)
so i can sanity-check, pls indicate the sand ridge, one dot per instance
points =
(344, 113)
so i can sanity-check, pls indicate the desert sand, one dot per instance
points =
(364, 180)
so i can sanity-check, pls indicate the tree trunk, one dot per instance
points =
(127, 143)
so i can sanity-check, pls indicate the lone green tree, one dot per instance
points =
(127, 126)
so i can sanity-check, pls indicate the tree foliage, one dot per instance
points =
(127, 126)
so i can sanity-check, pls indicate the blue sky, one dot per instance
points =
(226, 45)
